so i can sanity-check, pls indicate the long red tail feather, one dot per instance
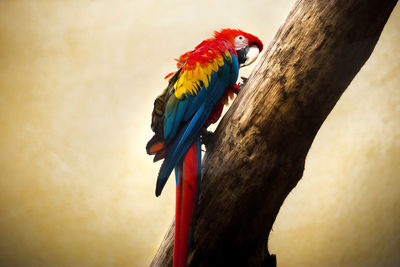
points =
(188, 175)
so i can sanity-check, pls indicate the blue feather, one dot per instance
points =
(186, 117)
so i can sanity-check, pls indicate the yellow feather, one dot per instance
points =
(200, 72)
(189, 74)
(190, 81)
(220, 60)
(205, 81)
(214, 66)
(206, 68)
(228, 57)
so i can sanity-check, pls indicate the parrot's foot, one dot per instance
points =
(243, 82)
(206, 138)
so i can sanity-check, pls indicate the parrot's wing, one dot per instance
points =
(203, 79)
(194, 84)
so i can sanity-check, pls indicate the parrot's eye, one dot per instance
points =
(239, 38)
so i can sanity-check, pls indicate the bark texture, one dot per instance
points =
(260, 146)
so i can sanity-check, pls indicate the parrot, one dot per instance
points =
(194, 98)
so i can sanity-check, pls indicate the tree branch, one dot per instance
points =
(262, 142)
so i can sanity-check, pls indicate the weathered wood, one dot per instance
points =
(261, 144)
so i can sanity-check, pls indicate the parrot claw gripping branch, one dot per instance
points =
(194, 99)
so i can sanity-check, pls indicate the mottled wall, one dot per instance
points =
(77, 82)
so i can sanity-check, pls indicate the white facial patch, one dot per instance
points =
(240, 42)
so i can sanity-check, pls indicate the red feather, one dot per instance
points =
(230, 34)
(186, 196)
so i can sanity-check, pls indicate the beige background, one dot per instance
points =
(77, 82)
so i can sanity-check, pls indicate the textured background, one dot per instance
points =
(77, 82)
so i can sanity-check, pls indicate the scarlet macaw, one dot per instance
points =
(193, 99)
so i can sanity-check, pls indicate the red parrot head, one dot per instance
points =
(247, 46)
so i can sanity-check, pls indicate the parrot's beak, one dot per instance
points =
(248, 55)
(251, 55)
